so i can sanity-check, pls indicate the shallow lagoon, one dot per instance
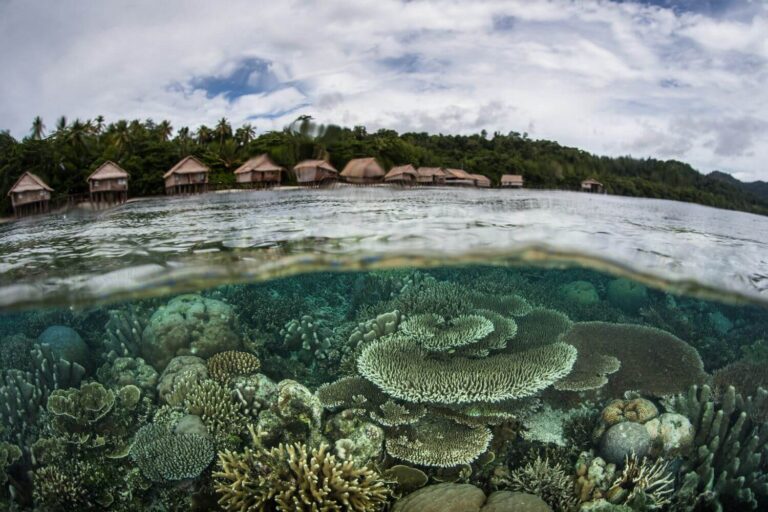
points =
(172, 366)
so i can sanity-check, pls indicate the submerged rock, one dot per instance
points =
(624, 439)
(66, 344)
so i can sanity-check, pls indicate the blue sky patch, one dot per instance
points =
(251, 76)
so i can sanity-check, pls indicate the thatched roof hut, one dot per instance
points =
(430, 175)
(30, 194)
(315, 172)
(404, 174)
(481, 181)
(363, 171)
(108, 184)
(512, 181)
(591, 185)
(259, 170)
(458, 177)
(189, 176)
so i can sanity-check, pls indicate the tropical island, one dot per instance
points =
(65, 156)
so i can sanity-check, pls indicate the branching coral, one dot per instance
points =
(163, 455)
(222, 367)
(548, 480)
(125, 331)
(435, 334)
(653, 479)
(222, 414)
(728, 464)
(652, 361)
(295, 478)
(405, 371)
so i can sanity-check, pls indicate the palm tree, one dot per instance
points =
(121, 137)
(203, 135)
(245, 134)
(99, 123)
(38, 128)
(165, 130)
(61, 125)
(223, 129)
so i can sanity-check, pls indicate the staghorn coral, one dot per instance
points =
(163, 455)
(222, 367)
(222, 415)
(404, 371)
(189, 325)
(652, 361)
(653, 479)
(295, 478)
(550, 481)
(436, 334)
(726, 468)
(439, 442)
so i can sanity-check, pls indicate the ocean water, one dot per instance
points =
(377, 349)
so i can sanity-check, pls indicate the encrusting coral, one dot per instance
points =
(222, 367)
(295, 478)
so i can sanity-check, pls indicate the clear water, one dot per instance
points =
(594, 298)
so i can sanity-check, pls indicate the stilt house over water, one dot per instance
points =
(512, 181)
(458, 177)
(363, 171)
(30, 195)
(315, 172)
(108, 185)
(189, 176)
(259, 171)
(402, 174)
(481, 180)
(592, 185)
(430, 176)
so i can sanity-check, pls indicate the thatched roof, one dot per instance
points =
(261, 163)
(28, 182)
(322, 164)
(483, 181)
(363, 168)
(512, 179)
(430, 171)
(398, 172)
(591, 181)
(188, 165)
(109, 170)
(459, 174)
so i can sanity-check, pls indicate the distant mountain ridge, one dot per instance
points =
(759, 189)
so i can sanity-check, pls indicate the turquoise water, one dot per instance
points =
(231, 351)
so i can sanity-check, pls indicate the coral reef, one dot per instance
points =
(439, 442)
(726, 470)
(179, 373)
(224, 366)
(124, 332)
(627, 295)
(548, 480)
(163, 455)
(625, 439)
(447, 497)
(295, 478)
(653, 361)
(65, 343)
(580, 292)
(124, 371)
(189, 325)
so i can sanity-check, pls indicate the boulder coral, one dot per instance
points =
(189, 325)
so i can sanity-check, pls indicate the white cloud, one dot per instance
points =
(613, 78)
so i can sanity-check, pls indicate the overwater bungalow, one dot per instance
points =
(189, 176)
(592, 185)
(259, 171)
(108, 185)
(481, 181)
(30, 195)
(430, 176)
(315, 172)
(458, 177)
(402, 174)
(363, 171)
(512, 181)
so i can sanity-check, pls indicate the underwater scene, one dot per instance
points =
(451, 388)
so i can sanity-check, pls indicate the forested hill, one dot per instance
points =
(66, 154)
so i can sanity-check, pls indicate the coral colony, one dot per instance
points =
(466, 389)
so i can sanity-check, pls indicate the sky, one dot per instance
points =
(669, 79)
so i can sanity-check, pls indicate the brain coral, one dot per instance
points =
(652, 361)
(405, 371)
(163, 455)
(189, 325)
